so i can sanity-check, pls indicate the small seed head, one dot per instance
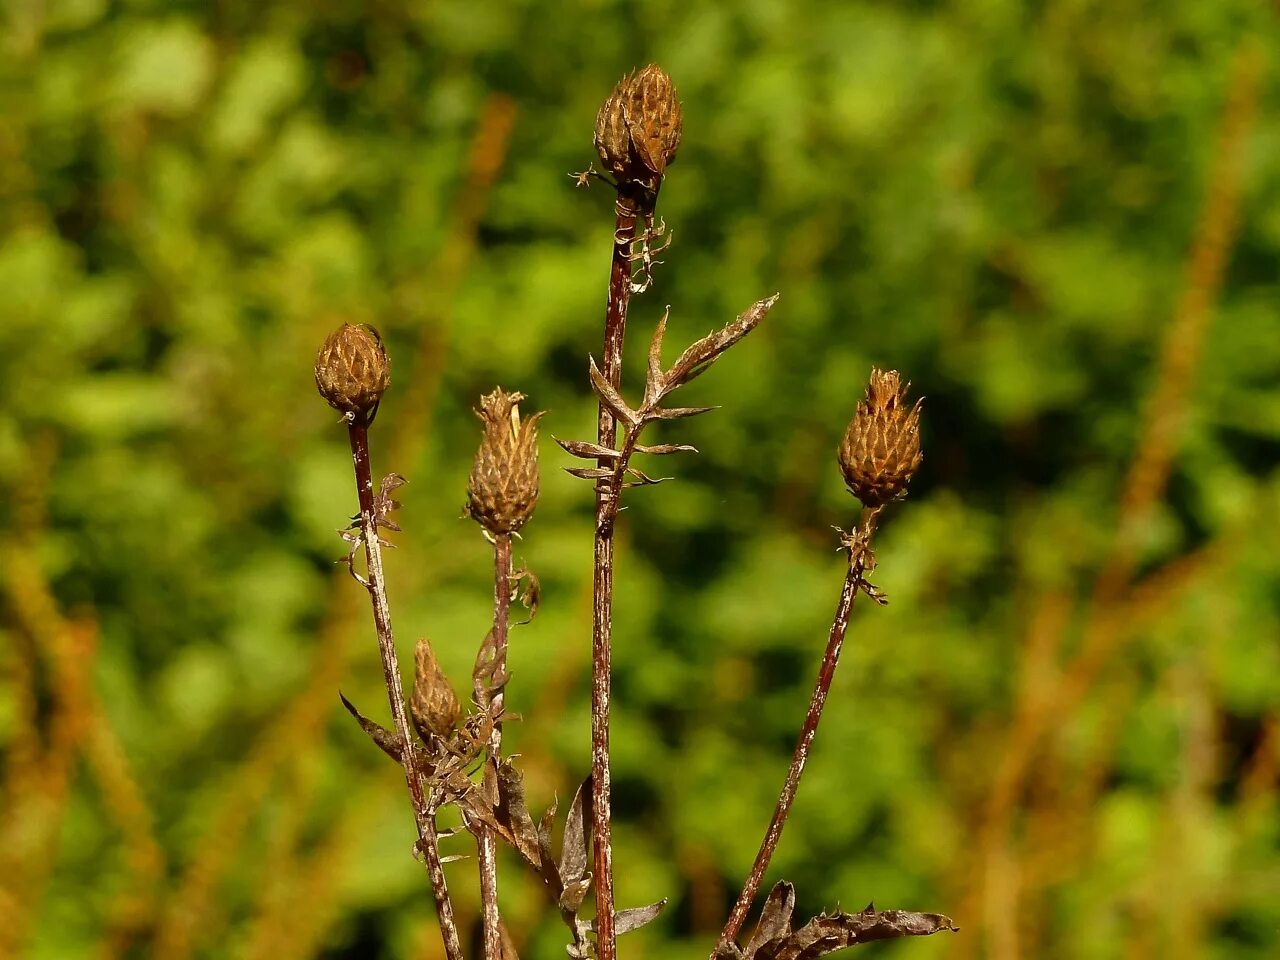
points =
(353, 371)
(504, 477)
(638, 127)
(881, 448)
(434, 706)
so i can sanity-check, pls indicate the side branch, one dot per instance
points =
(858, 545)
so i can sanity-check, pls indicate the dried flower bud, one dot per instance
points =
(353, 371)
(434, 706)
(504, 478)
(638, 127)
(881, 448)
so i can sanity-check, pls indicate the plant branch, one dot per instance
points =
(860, 561)
(424, 817)
(490, 698)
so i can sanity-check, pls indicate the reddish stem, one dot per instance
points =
(424, 817)
(626, 208)
(826, 674)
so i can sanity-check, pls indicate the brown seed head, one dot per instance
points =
(504, 477)
(353, 371)
(638, 127)
(881, 448)
(434, 706)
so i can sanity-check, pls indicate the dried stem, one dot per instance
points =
(424, 817)
(627, 209)
(491, 698)
(853, 582)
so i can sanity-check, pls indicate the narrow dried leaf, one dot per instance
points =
(826, 934)
(455, 857)
(633, 918)
(545, 825)
(587, 450)
(574, 894)
(575, 850)
(665, 449)
(775, 917)
(589, 473)
(642, 479)
(610, 396)
(388, 741)
(701, 355)
(656, 381)
(514, 813)
(676, 413)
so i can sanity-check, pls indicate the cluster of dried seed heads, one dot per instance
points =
(353, 371)
(638, 127)
(881, 448)
(503, 489)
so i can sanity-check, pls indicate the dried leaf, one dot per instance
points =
(633, 918)
(610, 396)
(388, 741)
(513, 812)
(701, 355)
(664, 449)
(656, 382)
(727, 951)
(529, 594)
(575, 849)
(676, 413)
(587, 450)
(545, 825)
(641, 479)
(826, 934)
(573, 895)
(589, 473)
(775, 917)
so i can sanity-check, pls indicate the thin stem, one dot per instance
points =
(492, 698)
(615, 324)
(826, 673)
(424, 816)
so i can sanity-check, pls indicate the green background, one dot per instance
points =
(1060, 220)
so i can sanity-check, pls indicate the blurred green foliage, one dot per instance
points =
(997, 198)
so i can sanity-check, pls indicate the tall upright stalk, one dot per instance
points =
(492, 699)
(607, 496)
(424, 817)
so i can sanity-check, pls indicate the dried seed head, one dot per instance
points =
(434, 706)
(353, 371)
(881, 448)
(638, 127)
(504, 477)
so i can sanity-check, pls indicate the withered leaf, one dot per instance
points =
(656, 381)
(676, 413)
(642, 479)
(388, 741)
(545, 825)
(664, 449)
(701, 355)
(775, 917)
(513, 813)
(610, 396)
(825, 934)
(527, 590)
(633, 918)
(574, 894)
(589, 473)
(586, 450)
(575, 849)
(727, 951)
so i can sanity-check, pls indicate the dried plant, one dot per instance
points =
(456, 757)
